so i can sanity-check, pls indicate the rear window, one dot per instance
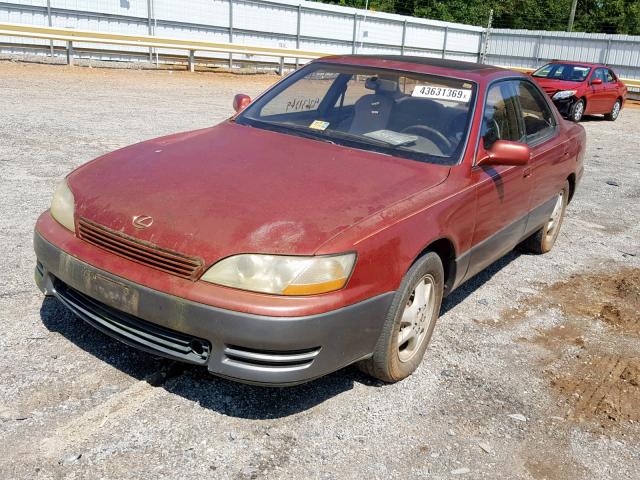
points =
(563, 71)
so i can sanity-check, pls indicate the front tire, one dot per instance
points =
(542, 241)
(577, 111)
(615, 111)
(410, 322)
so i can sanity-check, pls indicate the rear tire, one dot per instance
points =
(542, 241)
(410, 322)
(615, 111)
(576, 111)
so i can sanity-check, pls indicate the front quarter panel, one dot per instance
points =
(390, 241)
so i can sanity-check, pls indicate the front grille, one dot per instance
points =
(132, 330)
(271, 359)
(139, 251)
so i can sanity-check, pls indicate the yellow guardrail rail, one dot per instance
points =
(190, 45)
(70, 35)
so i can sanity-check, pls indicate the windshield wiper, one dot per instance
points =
(295, 129)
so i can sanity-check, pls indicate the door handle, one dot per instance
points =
(527, 172)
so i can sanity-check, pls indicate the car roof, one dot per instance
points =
(583, 64)
(453, 68)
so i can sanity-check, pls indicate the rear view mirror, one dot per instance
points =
(596, 81)
(504, 152)
(240, 102)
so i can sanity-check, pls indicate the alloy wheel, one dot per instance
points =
(554, 222)
(616, 110)
(416, 318)
(579, 110)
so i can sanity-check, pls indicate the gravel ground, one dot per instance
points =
(533, 371)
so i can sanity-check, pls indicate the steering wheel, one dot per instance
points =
(434, 135)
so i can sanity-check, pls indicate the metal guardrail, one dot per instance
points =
(189, 45)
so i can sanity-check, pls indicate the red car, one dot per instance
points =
(320, 226)
(579, 89)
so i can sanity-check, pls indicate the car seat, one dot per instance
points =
(371, 112)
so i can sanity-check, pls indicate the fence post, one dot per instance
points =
(70, 53)
(606, 55)
(404, 37)
(150, 27)
(485, 39)
(192, 61)
(281, 72)
(298, 32)
(444, 42)
(537, 53)
(355, 32)
(50, 24)
(231, 31)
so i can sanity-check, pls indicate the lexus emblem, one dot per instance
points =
(142, 221)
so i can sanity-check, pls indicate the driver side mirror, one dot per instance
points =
(504, 152)
(240, 102)
(596, 81)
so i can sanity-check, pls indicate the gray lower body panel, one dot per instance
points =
(245, 347)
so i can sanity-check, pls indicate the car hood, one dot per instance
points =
(553, 86)
(234, 189)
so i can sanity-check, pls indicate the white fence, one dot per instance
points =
(531, 49)
(280, 23)
(308, 26)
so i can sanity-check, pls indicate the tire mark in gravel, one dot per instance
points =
(122, 404)
(596, 370)
(605, 386)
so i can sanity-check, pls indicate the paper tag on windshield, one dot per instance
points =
(442, 93)
(396, 139)
(319, 125)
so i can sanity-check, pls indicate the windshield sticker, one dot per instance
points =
(319, 125)
(442, 93)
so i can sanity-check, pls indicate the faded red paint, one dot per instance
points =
(234, 189)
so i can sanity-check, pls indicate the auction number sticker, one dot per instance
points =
(442, 93)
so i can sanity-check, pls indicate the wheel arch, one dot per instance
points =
(572, 186)
(446, 250)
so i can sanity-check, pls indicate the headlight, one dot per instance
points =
(62, 206)
(283, 275)
(563, 94)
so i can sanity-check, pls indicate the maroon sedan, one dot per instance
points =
(320, 226)
(579, 89)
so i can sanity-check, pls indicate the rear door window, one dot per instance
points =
(611, 78)
(537, 118)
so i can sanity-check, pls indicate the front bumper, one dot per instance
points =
(564, 105)
(249, 348)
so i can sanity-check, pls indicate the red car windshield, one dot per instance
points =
(422, 117)
(563, 71)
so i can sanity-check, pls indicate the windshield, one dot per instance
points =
(422, 117)
(563, 71)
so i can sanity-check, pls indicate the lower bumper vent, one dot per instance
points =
(271, 359)
(132, 330)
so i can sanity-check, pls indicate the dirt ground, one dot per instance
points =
(533, 372)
